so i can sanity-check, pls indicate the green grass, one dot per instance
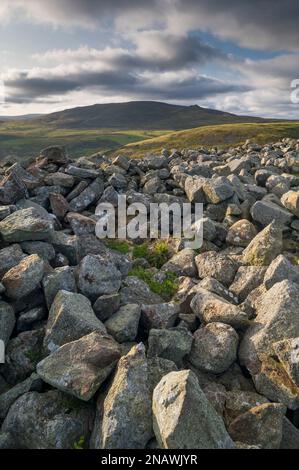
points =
(25, 139)
(166, 288)
(223, 135)
(118, 245)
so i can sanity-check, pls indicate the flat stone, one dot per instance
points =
(265, 212)
(25, 224)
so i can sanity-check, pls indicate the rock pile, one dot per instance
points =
(113, 345)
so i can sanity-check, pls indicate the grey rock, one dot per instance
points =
(7, 321)
(123, 325)
(182, 263)
(27, 320)
(8, 398)
(265, 212)
(246, 280)
(25, 224)
(88, 196)
(183, 416)
(216, 265)
(25, 277)
(281, 268)
(241, 233)
(106, 305)
(264, 248)
(173, 344)
(43, 249)
(134, 290)
(10, 257)
(70, 317)
(214, 348)
(59, 279)
(159, 315)
(218, 189)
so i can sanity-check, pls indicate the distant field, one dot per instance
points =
(222, 135)
(24, 139)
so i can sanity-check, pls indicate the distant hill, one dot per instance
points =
(139, 115)
(23, 117)
(223, 135)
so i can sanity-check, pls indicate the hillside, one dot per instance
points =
(139, 115)
(221, 135)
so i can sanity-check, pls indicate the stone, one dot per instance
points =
(25, 224)
(32, 383)
(48, 421)
(67, 245)
(7, 321)
(127, 416)
(80, 224)
(290, 201)
(265, 212)
(134, 290)
(54, 154)
(159, 315)
(59, 279)
(280, 269)
(81, 366)
(194, 189)
(173, 344)
(106, 305)
(43, 249)
(212, 285)
(70, 317)
(123, 325)
(290, 435)
(60, 179)
(10, 256)
(79, 172)
(24, 278)
(218, 189)
(287, 352)
(28, 320)
(98, 276)
(238, 402)
(216, 265)
(265, 246)
(261, 426)
(209, 307)
(88, 196)
(59, 205)
(183, 416)
(157, 368)
(182, 263)
(246, 280)
(241, 233)
(22, 354)
(214, 348)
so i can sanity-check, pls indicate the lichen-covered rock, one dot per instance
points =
(182, 263)
(173, 344)
(127, 416)
(265, 212)
(98, 276)
(70, 317)
(246, 280)
(134, 290)
(216, 265)
(218, 189)
(264, 248)
(290, 200)
(279, 270)
(260, 426)
(159, 315)
(81, 366)
(25, 277)
(106, 305)
(7, 321)
(88, 196)
(32, 383)
(214, 348)
(59, 279)
(10, 256)
(241, 233)
(183, 416)
(48, 421)
(123, 325)
(26, 224)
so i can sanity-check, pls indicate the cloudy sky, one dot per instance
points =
(233, 55)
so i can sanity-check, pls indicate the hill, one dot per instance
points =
(139, 115)
(224, 135)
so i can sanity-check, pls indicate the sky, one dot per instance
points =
(231, 55)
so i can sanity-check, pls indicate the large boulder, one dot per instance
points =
(80, 367)
(183, 416)
(264, 248)
(216, 265)
(26, 224)
(25, 277)
(70, 317)
(127, 417)
(265, 212)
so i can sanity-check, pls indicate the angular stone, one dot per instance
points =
(287, 351)
(98, 276)
(182, 263)
(59, 205)
(290, 435)
(88, 196)
(70, 318)
(60, 179)
(123, 325)
(28, 320)
(25, 224)
(279, 270)
(81, 366)
(157, 368)
(135, 290)
(210, 308)
(68, 245)
(212, 285)
(82, 172)
(241, 233)
(247, 279)
(32, 383)
(264, 248)
(218, 189)
(59, 279)
(183, 416)
(266, 212)
(194, 189)
(260, 426)
(159, 315)
(43, 249)
(25, 277)
(173, 344)
(238, 402)
(81, 225)
(48, 421)
(290, 200)
(106, 305)
(216, 265)
(127, 416)
(214, 348)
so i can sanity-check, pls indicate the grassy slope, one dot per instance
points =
(223, 135)
(26, 139)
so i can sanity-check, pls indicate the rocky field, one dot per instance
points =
(149, 344)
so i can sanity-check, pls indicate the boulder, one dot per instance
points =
(216, 265)
(25, 277)
(173, 344)
(26, 224)
(265, 246)
(123, 325)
